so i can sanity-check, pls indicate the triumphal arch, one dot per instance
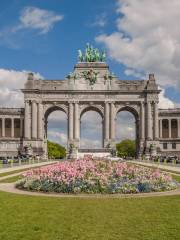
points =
(91, 86)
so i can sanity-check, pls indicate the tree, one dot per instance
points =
(126, 148)
(55, 150)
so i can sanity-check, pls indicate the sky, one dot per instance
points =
(42, 36)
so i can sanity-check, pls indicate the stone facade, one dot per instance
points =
(91, 86)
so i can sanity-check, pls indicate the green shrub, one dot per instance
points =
(55, 150)
(126, 148)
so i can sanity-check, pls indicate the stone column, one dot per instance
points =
(169, 128)
(34, 120)
(21, 127)
(40, 121)
(76, 121)
(160, 128)
(112, 122)
(107, 121)
(156, 127)
(149, 121)
(70, 120)
(12, 127)
(27, 125)
(178, 127)
(142, 122)
(3, 127)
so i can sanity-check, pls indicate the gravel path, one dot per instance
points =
(10, 187)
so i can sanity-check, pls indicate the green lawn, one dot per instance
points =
(11, 179)
(43, 218)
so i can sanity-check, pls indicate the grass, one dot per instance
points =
(176, 177)
(13, 172)
(11, 179)
(43, 218)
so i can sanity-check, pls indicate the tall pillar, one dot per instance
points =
(178, 127)
(112, 122)
(142, 121)
(160, 128)
(70, 119)
(3, 127)
(169, 128)
(21, 127)
(76, 119)
(40, 121)
(107, 121)
(12, 127)
(34, 120)
(149, 121)
(27, 125)
(156, 127)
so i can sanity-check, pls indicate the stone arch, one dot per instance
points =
(130, 109)
(95, 108)
(51, 108)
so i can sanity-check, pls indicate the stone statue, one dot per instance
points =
(103, 56)
(91, 55)
(80, 56)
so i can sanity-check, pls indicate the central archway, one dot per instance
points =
(91, 128)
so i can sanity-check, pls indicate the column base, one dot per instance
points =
(107, 143)
(34, 147)
(72, 150)
(151, 148)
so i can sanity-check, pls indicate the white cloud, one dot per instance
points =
(30, 18)
(147, 39)
(165, 102)
(58, 137)
(36, 18)
(101, 20)
(11, 82)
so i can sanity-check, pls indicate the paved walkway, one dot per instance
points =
(4, 170)
(160, 166)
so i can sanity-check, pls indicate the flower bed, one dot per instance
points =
(93, 176)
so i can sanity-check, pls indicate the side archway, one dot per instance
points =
(127, 126)
(55, 126)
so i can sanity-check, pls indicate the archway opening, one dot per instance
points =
(91, 130)
(56, 133)
(126, 134)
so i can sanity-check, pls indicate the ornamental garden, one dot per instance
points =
(96, 176)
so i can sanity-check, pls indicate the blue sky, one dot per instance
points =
(54, 54)
(43, 36)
